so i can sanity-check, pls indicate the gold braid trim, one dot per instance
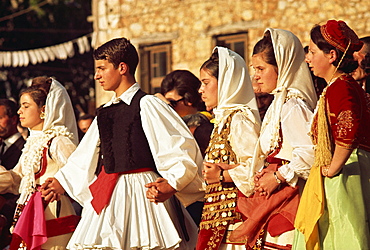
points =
(322, 136)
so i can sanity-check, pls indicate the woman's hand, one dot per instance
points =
(211, 172)
(257, 187)
(265, 182)
(329, 171)
(340, 158)
(51, 190)
(325, 170)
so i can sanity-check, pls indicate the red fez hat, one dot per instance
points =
(338, 34)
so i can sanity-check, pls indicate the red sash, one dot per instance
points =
(103, 187)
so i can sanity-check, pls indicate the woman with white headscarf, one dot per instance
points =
(46, 110)
(227, 90)
(284, 152)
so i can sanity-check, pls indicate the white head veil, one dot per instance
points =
(59, 110)
(59, 121)
(294, 79)
(234, 84)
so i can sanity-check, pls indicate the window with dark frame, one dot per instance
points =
(237, 42)
(155, 64)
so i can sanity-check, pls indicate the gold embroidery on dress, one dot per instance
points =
(220, 205)
(219, 149)
(344, 145)
(214, 240)
(345, 123)
(220, 198)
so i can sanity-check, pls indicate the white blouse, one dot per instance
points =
(60, 149)
(297, 146)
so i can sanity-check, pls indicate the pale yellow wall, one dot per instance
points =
(190, 24)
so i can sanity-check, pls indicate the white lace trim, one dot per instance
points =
(31, 157)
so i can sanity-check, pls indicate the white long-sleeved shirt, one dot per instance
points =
(174, 149)
(297, 146)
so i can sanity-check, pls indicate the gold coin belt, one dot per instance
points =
(220, 205)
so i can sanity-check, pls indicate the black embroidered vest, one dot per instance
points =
(124, 146)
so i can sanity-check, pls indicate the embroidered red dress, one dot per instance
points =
(219, 211)
(347, 193)
(344, 222)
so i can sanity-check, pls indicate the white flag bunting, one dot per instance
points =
(34, 56)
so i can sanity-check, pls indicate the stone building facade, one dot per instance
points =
(180, 34)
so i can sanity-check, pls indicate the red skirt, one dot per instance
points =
(275, 214)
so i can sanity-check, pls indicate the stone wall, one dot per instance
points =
(191, 24)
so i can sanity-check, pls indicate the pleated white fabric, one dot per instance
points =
(138, 224)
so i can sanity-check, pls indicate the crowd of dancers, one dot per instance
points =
(223, 161)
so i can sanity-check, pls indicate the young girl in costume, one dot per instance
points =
(284, 151)
(226, 88)
(335, 205)
(46, 110)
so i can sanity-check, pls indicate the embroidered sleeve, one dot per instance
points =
(345, 113)
(344, 124)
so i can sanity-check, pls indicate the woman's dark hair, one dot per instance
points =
(365, 63)
(306, 49)
(212, 64)
(266, 47)
(186, 84)
(348, 63)
(39, 90)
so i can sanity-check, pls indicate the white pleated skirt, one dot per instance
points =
(131, 221)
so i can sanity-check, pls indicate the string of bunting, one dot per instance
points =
(60, 51)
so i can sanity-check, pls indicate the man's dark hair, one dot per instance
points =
(10, 107)
(116, 51)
